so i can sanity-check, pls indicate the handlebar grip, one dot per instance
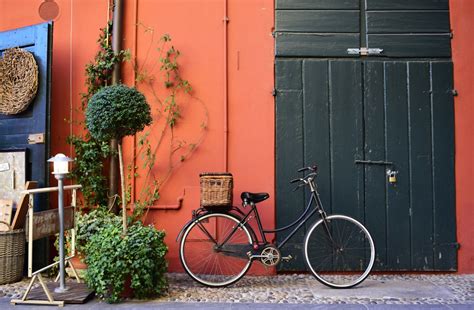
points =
(295, 180)
(312, 168)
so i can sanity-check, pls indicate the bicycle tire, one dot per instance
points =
(204, 261)
(343, 260)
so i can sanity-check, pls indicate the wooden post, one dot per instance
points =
(30, 234)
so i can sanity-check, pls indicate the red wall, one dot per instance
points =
(462, 25)
(231, 71)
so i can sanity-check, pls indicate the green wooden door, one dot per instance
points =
(348, 113)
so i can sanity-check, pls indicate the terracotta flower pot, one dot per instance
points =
(81, 267)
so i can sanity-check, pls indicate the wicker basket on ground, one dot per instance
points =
(216, 189)
(12, 255)
(18, 80)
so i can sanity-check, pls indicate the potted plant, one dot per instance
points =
(115, 112)
(114, 258)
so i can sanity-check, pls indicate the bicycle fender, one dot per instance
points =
(181, 232)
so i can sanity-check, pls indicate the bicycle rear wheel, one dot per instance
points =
(214, 248)
(341, 254)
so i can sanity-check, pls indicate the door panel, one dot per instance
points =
(375, 150)
(444, 217)
(396, 108)
(408, 28)
(393, 111)
(15, 129)
(320, 4)
(398, 197)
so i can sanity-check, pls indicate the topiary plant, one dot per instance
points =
(115, 112)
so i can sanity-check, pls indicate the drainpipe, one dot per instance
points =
(226, 88)
(116, 46)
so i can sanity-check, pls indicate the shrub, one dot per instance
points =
(139, 256)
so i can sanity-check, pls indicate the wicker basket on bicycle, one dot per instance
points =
(216, 190)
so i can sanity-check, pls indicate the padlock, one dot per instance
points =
(392, 176)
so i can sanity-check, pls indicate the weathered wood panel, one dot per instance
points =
(345, 117)
(421, 186)
(46, 223)
(319, 4)
(316, 124)
(374, 149)
(22, 207)
(407, 4)
(408, 22)
(398, 195)
(315, 45)
(443, 166)
(317, 21)
(289, 142)
(416, 45)
(288, 74)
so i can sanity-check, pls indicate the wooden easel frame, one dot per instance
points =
(37, 274)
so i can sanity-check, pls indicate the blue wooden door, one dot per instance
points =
(16, 130)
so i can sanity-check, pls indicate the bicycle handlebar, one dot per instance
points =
(312, 168)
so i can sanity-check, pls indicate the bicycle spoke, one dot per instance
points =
(218, 259)
(340, 262)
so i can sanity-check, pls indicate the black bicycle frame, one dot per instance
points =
(299, 222)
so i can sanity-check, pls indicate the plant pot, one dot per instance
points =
(127, 288)
(78, 262)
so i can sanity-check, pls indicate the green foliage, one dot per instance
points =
(113, 258)
(88, 167)
(99, 72)
(91, 153)
(88, 224)
(117, 111)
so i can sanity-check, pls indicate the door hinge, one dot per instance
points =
(454, 92)
(36, 138)
(274, 92)
(364, 51)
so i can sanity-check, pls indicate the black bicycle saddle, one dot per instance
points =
(254, 197)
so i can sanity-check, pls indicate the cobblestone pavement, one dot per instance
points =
(304, 289)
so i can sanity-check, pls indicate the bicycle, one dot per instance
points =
(217, 247)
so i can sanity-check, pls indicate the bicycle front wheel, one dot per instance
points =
(339, 251)
(214, 248)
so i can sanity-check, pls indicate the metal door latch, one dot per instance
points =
(364, 51)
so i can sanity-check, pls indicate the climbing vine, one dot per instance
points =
(166, 98)
(167, 117)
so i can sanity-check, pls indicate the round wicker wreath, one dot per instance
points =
(18, 80)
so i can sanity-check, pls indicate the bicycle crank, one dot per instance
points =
(270, 256)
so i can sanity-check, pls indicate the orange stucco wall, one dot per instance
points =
(462, 24)
(231, 71)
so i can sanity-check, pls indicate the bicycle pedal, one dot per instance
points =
(287, 258)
